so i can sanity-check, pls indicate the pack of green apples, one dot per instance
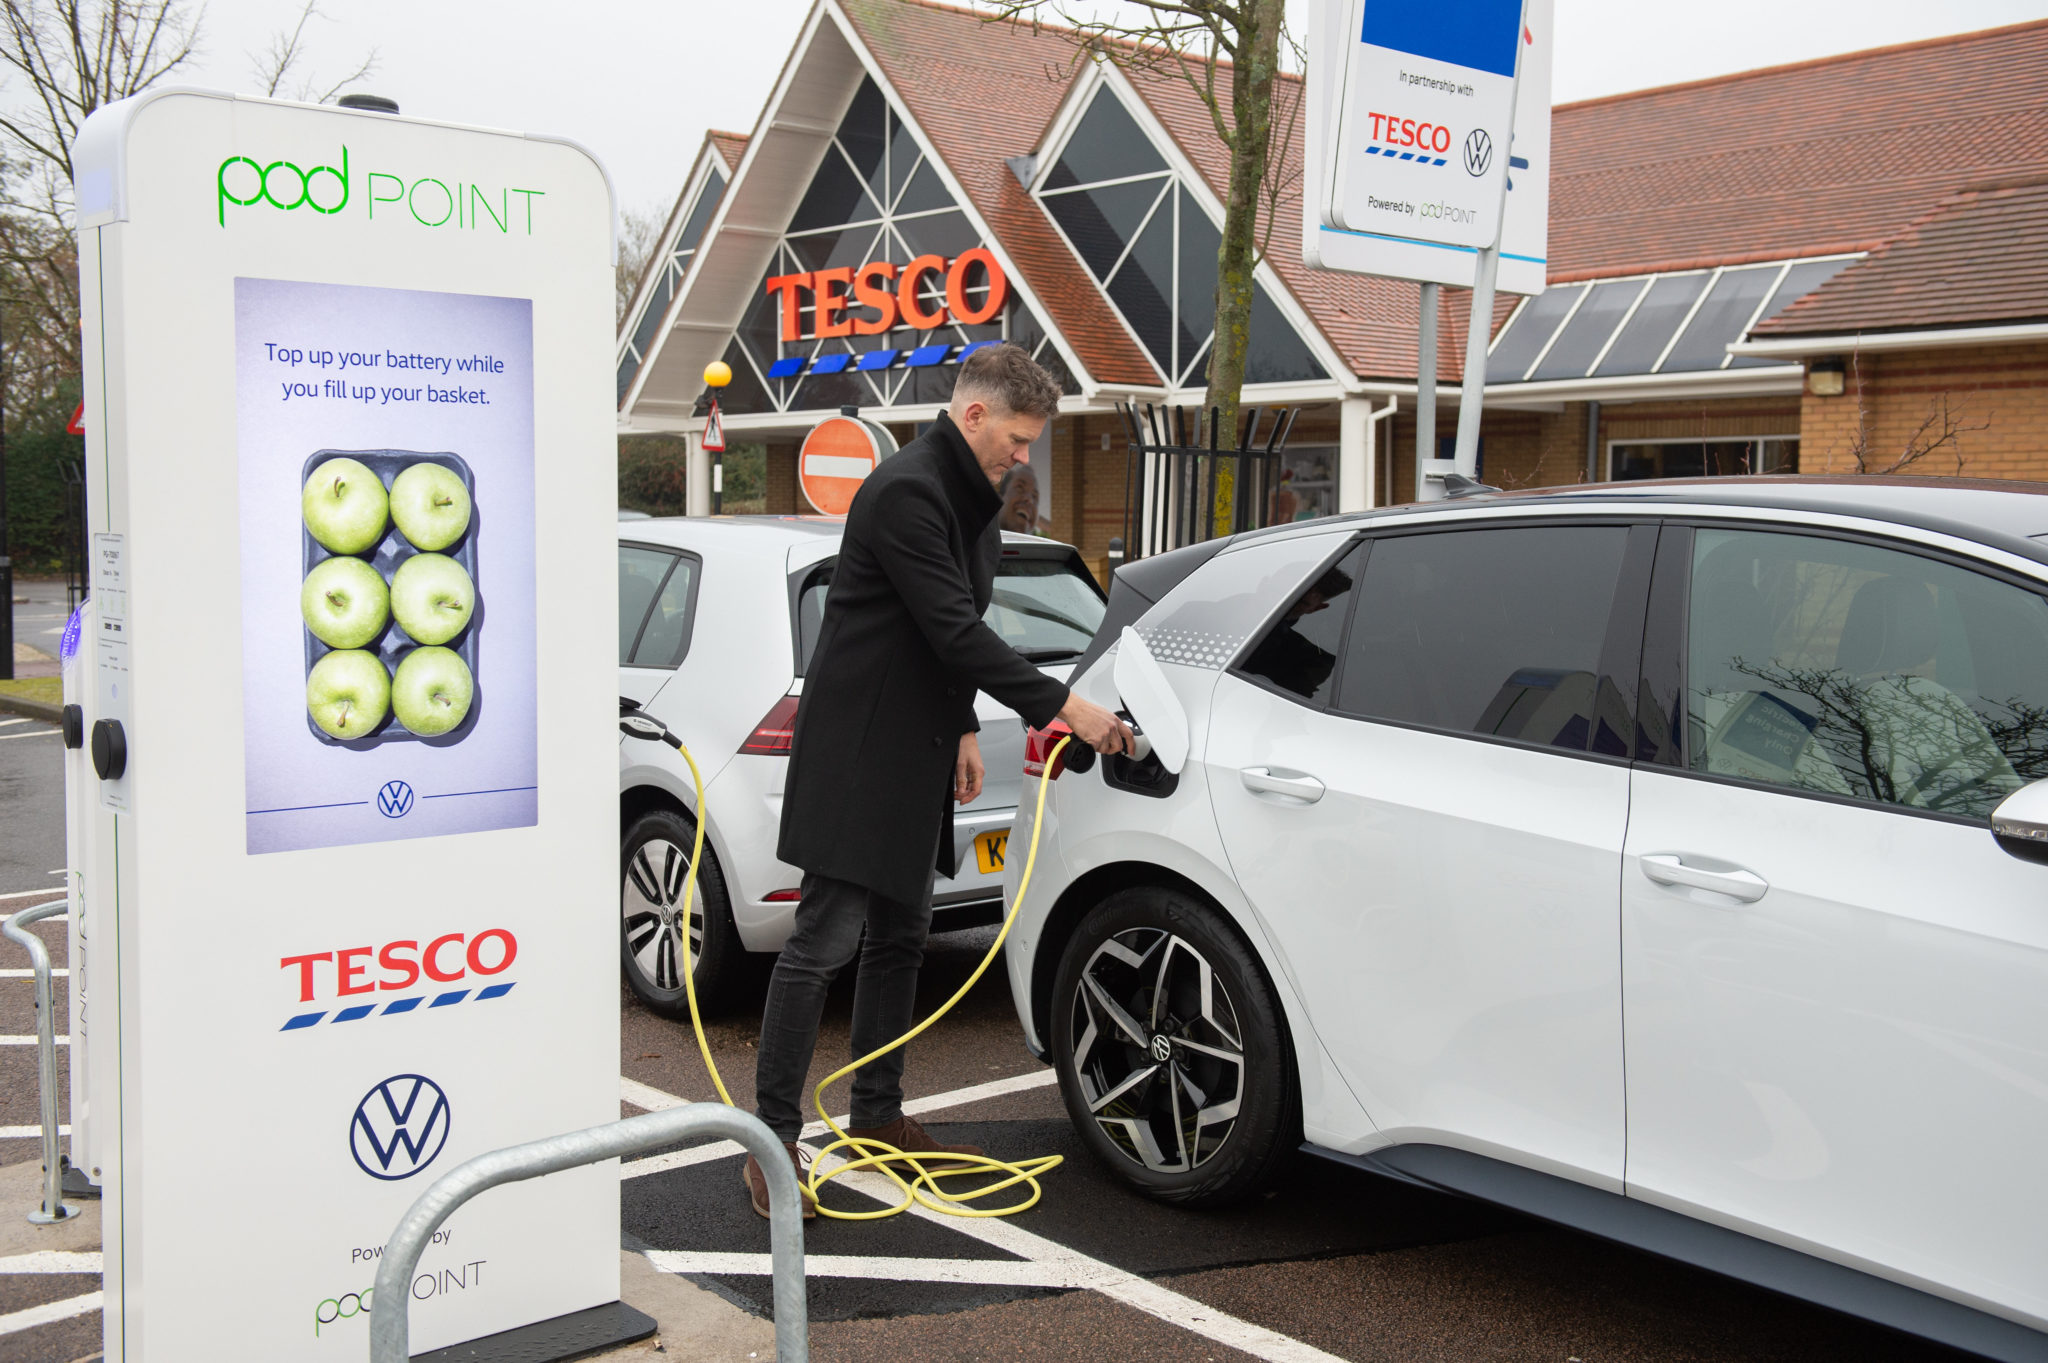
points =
(389, 601)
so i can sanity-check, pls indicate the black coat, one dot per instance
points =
(901, 652)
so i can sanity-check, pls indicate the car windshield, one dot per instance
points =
(1045, 608)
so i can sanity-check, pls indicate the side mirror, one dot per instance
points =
(2020, 823)
(1142, 684)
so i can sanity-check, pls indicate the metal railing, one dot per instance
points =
(390, 1327)
(53, 1209)
(1175, 468)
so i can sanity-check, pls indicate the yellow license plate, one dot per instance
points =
(988, 850)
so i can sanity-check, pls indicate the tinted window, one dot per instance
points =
(1847, 669)
(1636, 349)
(640, 575)
(1299, 653)
(665, 638)
(1045, 608)
(1486, 631)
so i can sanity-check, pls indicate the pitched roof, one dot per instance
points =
(729, 146)
(1810, 159)
(1976, 258)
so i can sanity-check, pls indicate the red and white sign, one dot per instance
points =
(893, 295)
(714, 431)
(837, 455)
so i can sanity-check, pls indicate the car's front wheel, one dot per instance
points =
(654, 861)
(1173, 1058)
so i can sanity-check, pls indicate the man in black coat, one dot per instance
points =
(885, 741)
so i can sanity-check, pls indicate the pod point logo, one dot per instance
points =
(1478, 152)
(394, 800)
(399, 1127)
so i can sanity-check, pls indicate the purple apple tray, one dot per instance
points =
(394, 549)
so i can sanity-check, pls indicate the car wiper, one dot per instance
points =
(1048, 655)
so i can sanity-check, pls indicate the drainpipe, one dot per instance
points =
(1594, 473)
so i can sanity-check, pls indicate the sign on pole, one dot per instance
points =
(351, 418)
(714, 431)
(838, 454)
(1408, 139)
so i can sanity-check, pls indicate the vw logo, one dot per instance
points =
(1162, 1048)
(1478, 152)
(399, 1127)
(394, 801)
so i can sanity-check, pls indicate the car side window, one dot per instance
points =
(665, 638)
(1847, 669)
(1495, 631)
(641, 572)
(1299, 651)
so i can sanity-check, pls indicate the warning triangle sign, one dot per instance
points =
(714, 431)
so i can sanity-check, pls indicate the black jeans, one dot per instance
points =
(828, 923)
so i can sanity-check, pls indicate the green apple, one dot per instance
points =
(348, 693)
(345, 602)
(432, 597)
(345, 506)
(432, 690)
(430, 505)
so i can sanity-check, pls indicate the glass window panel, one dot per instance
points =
(1107, 145)
(931, 385)
(1485, 631)
(1044, 606)
(864, 133)
(941, 234)
(665, 639)
(1722, 318)
(1517, 348)
(1199, 243)
(761, 329)
(1846, 669)
(903, 156)
(700, 216)
(744, 393)
(640, 576)
(1802, 279)
(1299, 653)
(826, 250)
(844, 389)
(656, 309)
(1051, 362)
(628, 367)
(836, 196)
(1277, 353)
(1101, 221)
(1572, 354)
(1143, 285)
(1657, 316)
(925, 191)
(1024, 328)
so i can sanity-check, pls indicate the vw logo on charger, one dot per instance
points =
(399, 1127)
(394, 800)
(1478, 152)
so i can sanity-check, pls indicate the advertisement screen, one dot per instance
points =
(386, 468)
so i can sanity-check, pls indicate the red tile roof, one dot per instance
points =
(729, 146)
(1980, 257)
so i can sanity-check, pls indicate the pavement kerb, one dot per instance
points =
(696, 1323)
(31, 709)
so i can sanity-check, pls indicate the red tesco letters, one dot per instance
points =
(449, 957)
(1406, 132)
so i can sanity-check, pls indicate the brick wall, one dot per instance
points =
(782, 496)
(1993, 399)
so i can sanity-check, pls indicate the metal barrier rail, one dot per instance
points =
(53, 1209)
(1176, 466)
(390, 1327)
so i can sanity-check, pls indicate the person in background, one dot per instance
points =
(1019, 492)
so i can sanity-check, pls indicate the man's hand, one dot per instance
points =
(1095, 726)
(967, 770)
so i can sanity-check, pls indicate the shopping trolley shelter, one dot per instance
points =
(1781, 271)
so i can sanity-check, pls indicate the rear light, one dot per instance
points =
(773, 735)
(1038, 746)
(784, 896)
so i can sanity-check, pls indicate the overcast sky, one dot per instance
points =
(639, 81)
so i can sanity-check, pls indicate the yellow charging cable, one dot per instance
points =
(923, 1187)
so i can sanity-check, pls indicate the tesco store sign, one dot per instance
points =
(892, 295)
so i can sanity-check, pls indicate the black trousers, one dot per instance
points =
(829, 920)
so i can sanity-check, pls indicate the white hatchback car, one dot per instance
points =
(1664, 860)
(717, 619)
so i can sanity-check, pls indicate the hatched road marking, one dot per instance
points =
(54, 1261)
(49, 1312)
(40, 733)
(28, 972)
(22, 1133)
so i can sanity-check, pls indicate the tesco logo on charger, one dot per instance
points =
(460, 959)
(1424, 137)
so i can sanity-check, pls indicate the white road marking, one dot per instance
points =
(22, 1133)
(644, 1096)
(49, 1312)
(40, 733)
(24, 894)
(10, 723)
(54, 1261)
(996, 1272)
(30, 1041)
(28, 973)
(916, 1107)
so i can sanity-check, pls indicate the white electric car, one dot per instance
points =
(717, 618)
(1664, 860)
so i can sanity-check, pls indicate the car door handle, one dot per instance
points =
(1266, 781)
(1666, 869)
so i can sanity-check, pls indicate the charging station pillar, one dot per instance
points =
(352, 486)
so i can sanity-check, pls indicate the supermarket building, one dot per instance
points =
(1835, 266)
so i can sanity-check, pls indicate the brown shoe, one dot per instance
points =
(908, 1136)
(757, 1182)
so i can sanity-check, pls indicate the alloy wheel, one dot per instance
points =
(651, 903)
(1158, 1049)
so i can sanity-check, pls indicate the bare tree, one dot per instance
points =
(1941, 431)
(288, 52)
(1247, 101)
(639, 235)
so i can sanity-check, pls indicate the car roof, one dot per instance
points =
(768, 531)
(2012, 516)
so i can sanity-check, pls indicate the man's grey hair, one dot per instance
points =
(1007, 380)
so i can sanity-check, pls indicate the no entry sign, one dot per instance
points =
(837, 455)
